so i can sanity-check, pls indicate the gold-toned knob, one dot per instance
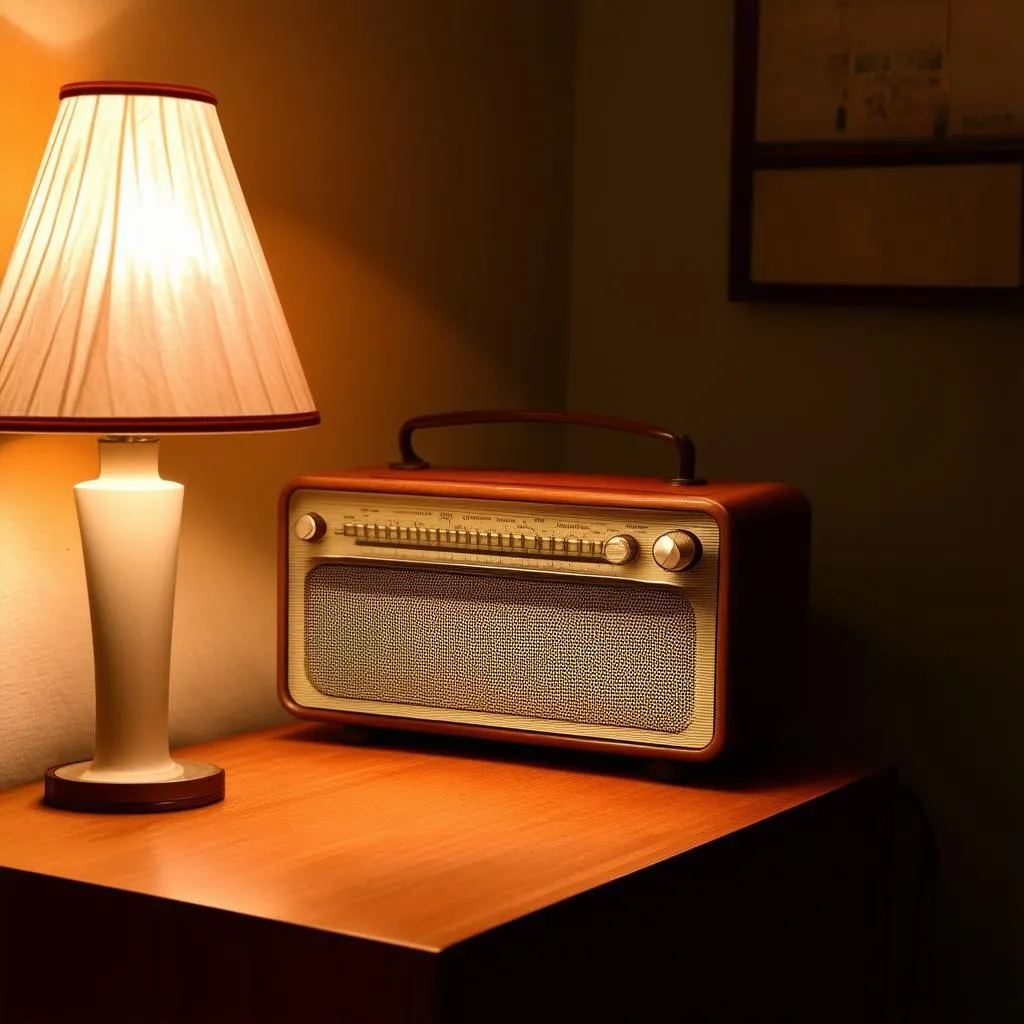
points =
(677, 551)
(310, 527)
(620, 549)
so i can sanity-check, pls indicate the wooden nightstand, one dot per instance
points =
(432, 881)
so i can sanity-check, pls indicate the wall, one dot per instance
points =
(407, 166)
(903, 427)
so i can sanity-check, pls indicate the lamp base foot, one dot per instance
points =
(199, 785)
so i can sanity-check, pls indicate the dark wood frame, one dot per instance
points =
(750, 156)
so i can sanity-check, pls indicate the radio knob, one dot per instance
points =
(677, 551)
(620, 549)
(310, 527)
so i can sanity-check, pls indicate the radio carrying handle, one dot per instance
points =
(685, 451)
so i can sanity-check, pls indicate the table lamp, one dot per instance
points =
(138, 302)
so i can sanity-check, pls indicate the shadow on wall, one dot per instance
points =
(963, 750)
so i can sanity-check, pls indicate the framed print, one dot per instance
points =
(878, 151)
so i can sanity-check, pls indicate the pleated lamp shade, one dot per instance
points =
(137, 299)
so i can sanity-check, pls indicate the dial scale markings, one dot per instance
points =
(473, 540)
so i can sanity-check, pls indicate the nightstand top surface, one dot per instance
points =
(420, 845)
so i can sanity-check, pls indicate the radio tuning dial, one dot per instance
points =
(310, 527)
(677, 551)
(620, 549)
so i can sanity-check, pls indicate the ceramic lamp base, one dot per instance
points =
(198, 784)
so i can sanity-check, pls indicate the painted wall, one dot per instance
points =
(903, 427)
(407, 165)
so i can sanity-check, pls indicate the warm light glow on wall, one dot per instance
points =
(60, 23)
(35, 510)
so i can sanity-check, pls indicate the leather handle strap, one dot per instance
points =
(686, 455)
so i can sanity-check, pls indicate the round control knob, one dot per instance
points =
(677, 551)
(310, 526)
(620, 549)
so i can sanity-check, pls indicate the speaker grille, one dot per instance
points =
(572, 650)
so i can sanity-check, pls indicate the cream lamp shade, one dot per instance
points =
(137, 299)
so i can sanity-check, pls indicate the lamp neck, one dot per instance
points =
(128, 458)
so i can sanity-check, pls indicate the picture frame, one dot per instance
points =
(862, 171)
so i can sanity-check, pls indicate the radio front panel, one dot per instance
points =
(576, 621)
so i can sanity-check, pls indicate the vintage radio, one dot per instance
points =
(660, 618)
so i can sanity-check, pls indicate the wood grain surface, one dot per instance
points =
(422, 844)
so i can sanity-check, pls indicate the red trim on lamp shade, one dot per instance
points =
(181, 92)
(155, 424)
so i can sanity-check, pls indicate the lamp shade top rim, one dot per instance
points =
(181, 92)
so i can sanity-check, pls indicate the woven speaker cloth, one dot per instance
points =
(563, 649)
